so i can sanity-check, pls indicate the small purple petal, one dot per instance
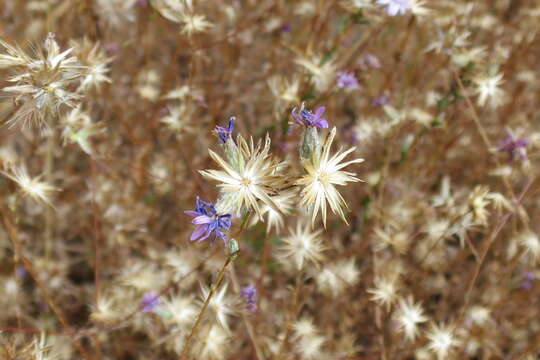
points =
(150, 301)
(197, 233)
(321, 124)
(202, 219)
(320, 111)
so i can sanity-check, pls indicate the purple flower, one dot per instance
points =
(381, 100)
(286, 28)
(250, 293)
(150, 301)
(225, 133)
(20, 271)
(396, 7)
(208, 221)
(112, 48)
(370, 60)
(347, 80)
(513, 146)
(350, 134)
(307, 118)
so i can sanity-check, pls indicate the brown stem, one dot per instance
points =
(247, 323)
(213, 290)
(19, 256)
(291, 315)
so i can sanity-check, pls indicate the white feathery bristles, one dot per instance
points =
(302, 246)
(42, 84)
(180, 310)
(78, 128)
(398, 240)
(252, 179)
(33, 188)
(143, 277)
(308, 340)
(385, 291)
(213, 343)
(182, 263)
(322, 76)
(333, 279)
(478, 314)
(221, 305)
(409, 316)
(177, 120)
(285, 90)
(530, 243)
(96, 63)
(442, 340)
(489, 91)
(104, 310)
(193, 23)
(285, 201)
(478, 202)
(322, 174)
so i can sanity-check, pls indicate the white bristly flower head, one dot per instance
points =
(285, 201)
(385, 291)
(33, 188)
(409, 315)
(249, 177)
(322, 73)
(42, 84)
(530, 243)
(222, 306)
(489, 91)
(322, 174)
(309, 342)
(442, 340)
(302, 245)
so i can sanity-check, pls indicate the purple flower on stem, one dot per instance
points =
(208, 221)
(514, 146)
(150, 301)
(20, 271)
(250, 293)
(225, 132)
(381, 100)
(347, 80)
(286, 28)
(307, 118)
(396, 7)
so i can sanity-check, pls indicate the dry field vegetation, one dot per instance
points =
(269, 179)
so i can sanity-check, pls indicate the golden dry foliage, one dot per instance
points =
(168, 167)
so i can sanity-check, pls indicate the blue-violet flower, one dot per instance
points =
(347, 80)
(208, 221)
(225, 132)
(150, 301)
(307, 118)
(250, 293)
(514, 146)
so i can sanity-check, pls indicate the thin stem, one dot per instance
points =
(49, 215)
(249, 327)
(491, 240)
(292, 315)
(213, 290)
(19, 256)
